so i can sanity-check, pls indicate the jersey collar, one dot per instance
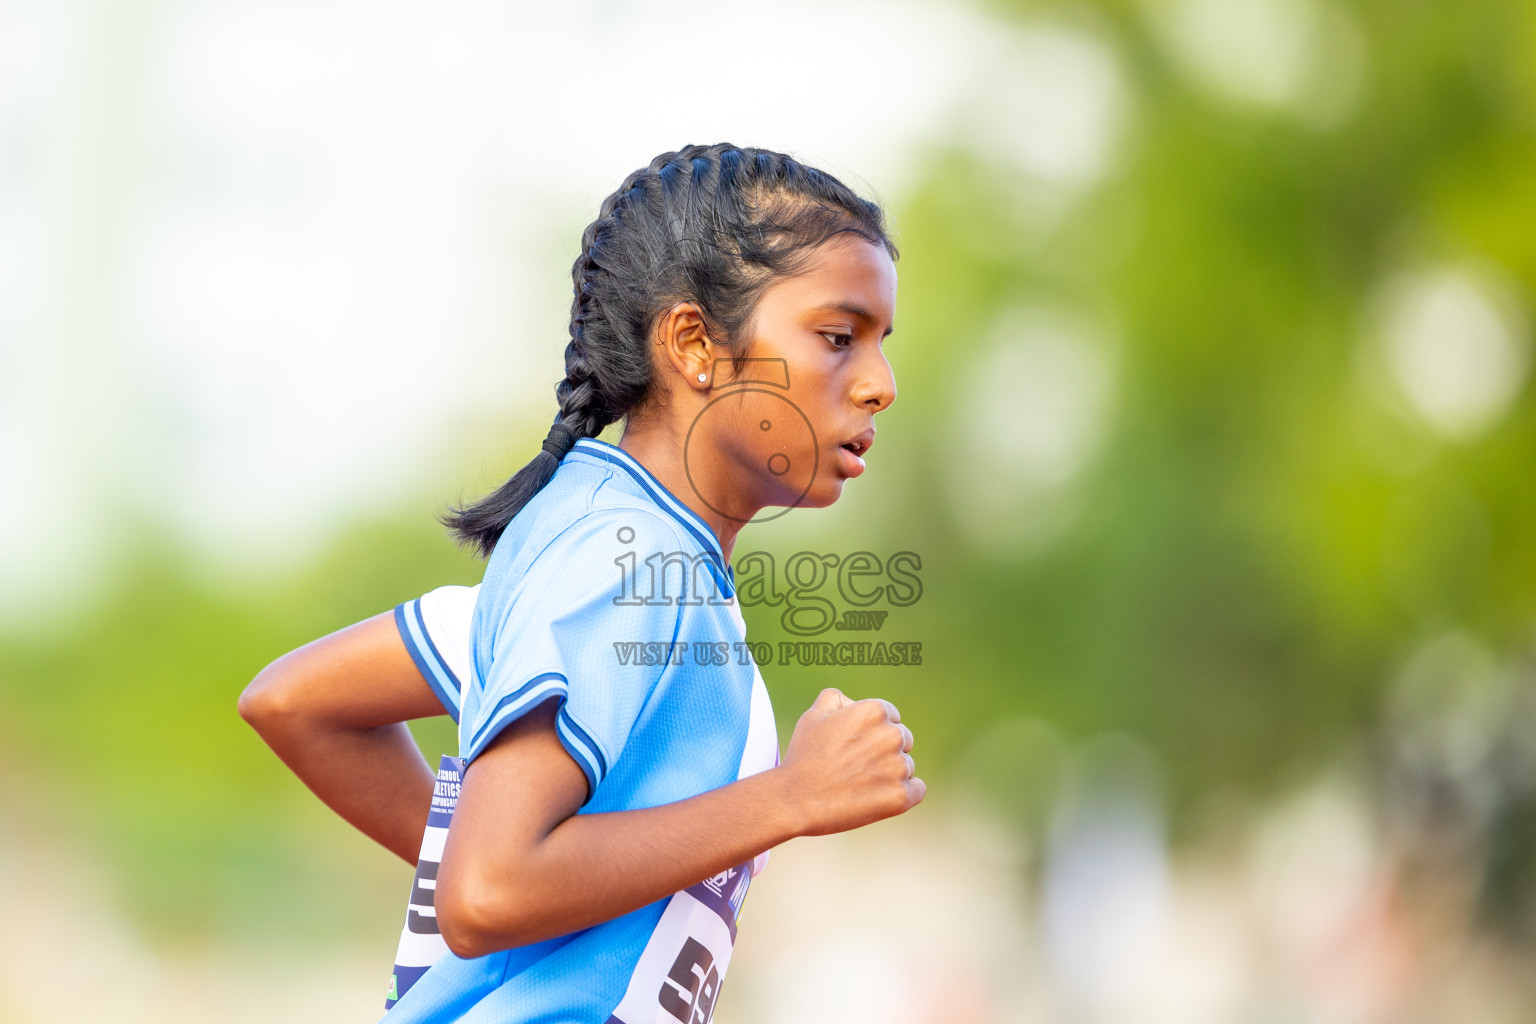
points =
(660, 495)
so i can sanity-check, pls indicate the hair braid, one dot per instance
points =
(579, 394)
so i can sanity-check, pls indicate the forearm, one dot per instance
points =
(334, 711)
(637, 857)
(374, 778)
(521, 865)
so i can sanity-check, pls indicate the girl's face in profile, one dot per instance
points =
(820, 332)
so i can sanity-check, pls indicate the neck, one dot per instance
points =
(659, 452)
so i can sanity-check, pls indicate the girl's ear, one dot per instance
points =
(684, 348)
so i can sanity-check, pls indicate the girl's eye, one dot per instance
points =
(837, 339)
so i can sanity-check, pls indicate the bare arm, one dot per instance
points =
(520, 864)
(334, 711)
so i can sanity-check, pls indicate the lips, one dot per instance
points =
(852, 463)
(860, 444)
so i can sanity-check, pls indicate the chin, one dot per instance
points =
(823, 492)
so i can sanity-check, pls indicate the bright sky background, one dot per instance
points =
(260, 262)
(264, 266)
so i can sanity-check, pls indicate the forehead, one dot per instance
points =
(845, 271)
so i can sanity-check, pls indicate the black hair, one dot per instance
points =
(712, 225)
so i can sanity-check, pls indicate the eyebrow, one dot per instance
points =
(857, 311)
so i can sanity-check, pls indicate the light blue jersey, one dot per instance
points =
(610, 595)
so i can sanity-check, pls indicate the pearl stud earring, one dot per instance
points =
(703, 378)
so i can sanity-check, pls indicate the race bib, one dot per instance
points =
(678, 977)
(421, 944)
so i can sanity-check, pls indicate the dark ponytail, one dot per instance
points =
(708, 224)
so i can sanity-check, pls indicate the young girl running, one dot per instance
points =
(621, 778)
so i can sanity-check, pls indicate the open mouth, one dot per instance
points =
(856, 447)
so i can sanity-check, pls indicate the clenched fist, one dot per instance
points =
(851, 764)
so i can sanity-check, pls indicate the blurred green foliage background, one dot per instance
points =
(1290, 323)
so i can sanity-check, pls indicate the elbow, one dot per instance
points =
(268, 700)
(466, 931)
(479, 918)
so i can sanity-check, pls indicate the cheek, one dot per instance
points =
(770, 439)
(777, 434)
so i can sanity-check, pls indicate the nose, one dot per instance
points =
(876, 386)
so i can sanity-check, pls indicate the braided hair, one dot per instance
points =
(713, 225)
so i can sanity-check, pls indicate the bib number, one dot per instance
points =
(421, 944)
(678, 977)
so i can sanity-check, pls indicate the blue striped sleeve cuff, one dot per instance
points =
(413, 630)
(577, 741)
(581, 746)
